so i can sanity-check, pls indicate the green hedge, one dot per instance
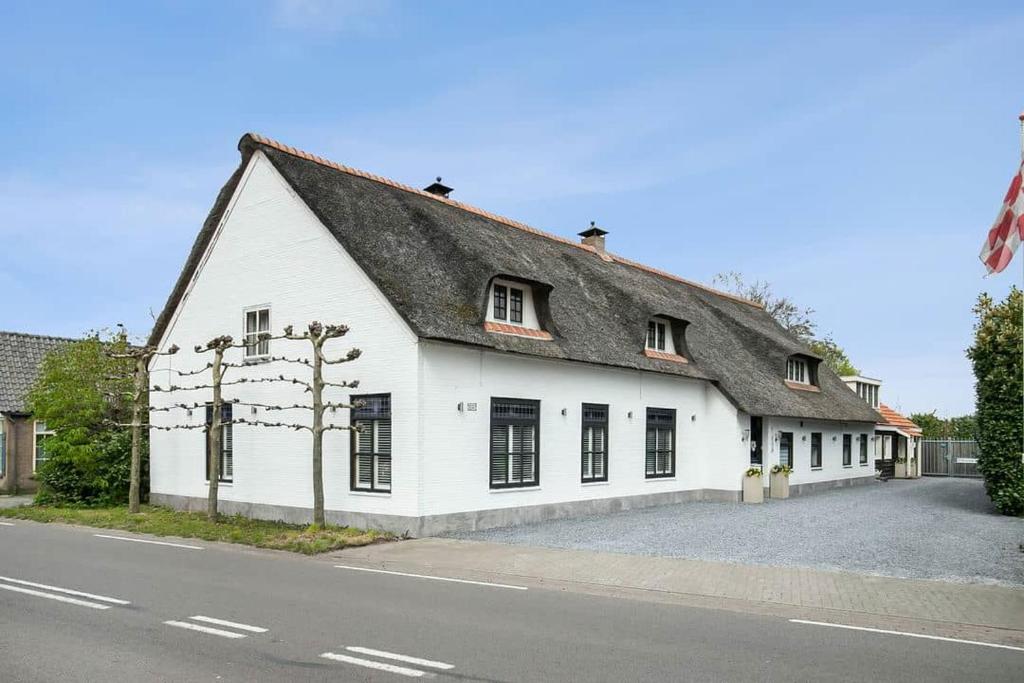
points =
(997, 359)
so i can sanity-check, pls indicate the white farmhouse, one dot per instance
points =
(508, 375)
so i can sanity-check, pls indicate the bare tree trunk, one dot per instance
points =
(214, 436)
(318, 432)
(135, 483)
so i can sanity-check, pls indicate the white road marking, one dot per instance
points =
(231, 624)
(101, 598)
(401, 658)
(205, 629)
(380, 666)
(432, 578)
(144, 540)
(6, 524)
(51, 596)
(909, 635)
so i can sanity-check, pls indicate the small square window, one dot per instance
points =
(257, 331)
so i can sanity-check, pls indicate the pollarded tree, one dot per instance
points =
(997, 359)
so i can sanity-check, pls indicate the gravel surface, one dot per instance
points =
(931, 528)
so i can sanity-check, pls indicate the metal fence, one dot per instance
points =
(949, 458)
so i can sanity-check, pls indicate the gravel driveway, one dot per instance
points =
(926, 528)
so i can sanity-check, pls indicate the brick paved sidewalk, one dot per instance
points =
(893, 599)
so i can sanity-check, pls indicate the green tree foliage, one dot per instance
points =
(795, 319)
(834, 356)
(997, 359)
(81, 395)
(963, 428)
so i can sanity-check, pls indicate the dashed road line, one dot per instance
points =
(145, 540)
(51, 596)
(380, 666)
(401, 658)
(6, 524)
(904, 633)
(231, 624)
(205, 629)
(68, 591)
(432, 578)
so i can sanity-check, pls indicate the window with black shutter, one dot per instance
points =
(515, 454)
(595, 442)
(815, 450)
(227, 460)
(371, 443)
(660, 460)
(847, 450)
(500, 302)
(786, 449)
(515, 309)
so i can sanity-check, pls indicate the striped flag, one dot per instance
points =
(1008, 231)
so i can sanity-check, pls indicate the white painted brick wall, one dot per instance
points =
(831, 450)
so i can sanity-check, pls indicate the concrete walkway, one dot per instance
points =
(14, 501)
(987, 612)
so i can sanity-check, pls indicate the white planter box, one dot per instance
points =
(901, 470)
(753, 491)
(779, 485)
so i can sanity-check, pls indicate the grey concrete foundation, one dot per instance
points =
(818, 486)
(432, 525)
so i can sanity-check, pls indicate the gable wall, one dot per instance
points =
(272, 250)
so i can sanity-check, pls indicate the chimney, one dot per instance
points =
(439, 189)
(594, 237)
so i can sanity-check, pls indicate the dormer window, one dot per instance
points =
(512, 309)
(796, 371)
(508, 304)
(656, 334)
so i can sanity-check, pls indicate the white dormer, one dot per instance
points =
(659, 336)
(512, 303)
(866, 387)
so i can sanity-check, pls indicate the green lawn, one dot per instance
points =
(161, 521)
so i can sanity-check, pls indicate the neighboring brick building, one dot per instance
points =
(20, 357)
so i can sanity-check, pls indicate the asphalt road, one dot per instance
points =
(245, 615)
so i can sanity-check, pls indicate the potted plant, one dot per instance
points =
(779, 481)
(753, 492)
(901, 467)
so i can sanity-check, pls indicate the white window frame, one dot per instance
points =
(36, 433)
(798, 371)
(255, 350)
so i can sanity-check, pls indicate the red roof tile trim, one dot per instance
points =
(492, 216)
(894, 419)
(502, 328)
(661, 355)
(800, 386)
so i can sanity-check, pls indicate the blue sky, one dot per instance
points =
(854, 158)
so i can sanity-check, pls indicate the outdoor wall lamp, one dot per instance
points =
(629, 415)
(461, 406)
(693, 418)
(565, 411)
(833, 437)
(803, 438)
(189, 412)
(746, 435)
(253, 410)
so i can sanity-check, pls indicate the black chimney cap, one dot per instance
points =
(593, 231)
(438, 188)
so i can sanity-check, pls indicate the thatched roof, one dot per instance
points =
(434, 258)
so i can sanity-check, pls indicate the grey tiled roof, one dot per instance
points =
(20, 357)
(433, 258)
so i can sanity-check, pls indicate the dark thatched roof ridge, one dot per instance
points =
(434, 257)
(20, 357)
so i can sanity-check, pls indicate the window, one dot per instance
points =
(786, 449)
(868, 392)
(656, 335)
(796, 371)
(847, 450)
(227, 461)
(3, 448)
(501, 302)
(515, 309)
(371, 444)
(40, 437)
(257, 322)
(595, 442)
(515, 457)
(815, 450)
(660, 459)
(863, 449)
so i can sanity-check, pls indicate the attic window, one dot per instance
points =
(656, 334)
(512, 303)
(796, 371)
(666, 339)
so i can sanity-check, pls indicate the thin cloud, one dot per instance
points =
(330, 16)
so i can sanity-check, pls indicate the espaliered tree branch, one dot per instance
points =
(217, 346)
(139, 394)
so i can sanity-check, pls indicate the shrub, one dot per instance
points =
(92, 472)
(996, 357)
(782, 469)
(753, 472)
